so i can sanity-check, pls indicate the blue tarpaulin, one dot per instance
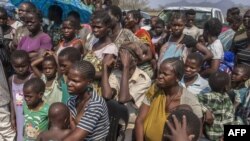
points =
(66, 5)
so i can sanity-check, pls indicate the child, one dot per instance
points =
(182, 118)
(20, 62)
(239, 93)
(49, 75)
(202, 40)
(191, 79)
(69, 29)
(89, 112)
(59, 120)
(35, 109)
(217, 106)
(66, 58)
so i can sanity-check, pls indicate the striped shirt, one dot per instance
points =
(240, 48)
(95, 119)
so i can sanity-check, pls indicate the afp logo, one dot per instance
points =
(234, 132)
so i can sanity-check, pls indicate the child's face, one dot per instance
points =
(68, 30)
(33, 23)
(238, 75)
(64, 64)
(32, 98)
(191, 68)
(21, 66)
(177, 27)
(166, 76)
(49, 69)
(3, 19)
(99, 29)
(76, 82)
(159, 28)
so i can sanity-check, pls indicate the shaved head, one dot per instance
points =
(58, 112)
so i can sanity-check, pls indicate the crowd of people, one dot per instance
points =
(175, 81)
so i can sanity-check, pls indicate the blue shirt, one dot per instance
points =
(200, 85)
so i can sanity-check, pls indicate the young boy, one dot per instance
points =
(66, 58)
(217, 106)
(240, 92)
(59, 121)
(89, 112)
(191, 79)
(35, 110)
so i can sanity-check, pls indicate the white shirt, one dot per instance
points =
(217, 49)
(200, 85)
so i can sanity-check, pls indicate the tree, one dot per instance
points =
(133, 4)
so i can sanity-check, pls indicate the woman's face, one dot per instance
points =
(76, 82)
(3, 19)
(33, 23)
(68, 30)
(99, 29)
(177, 27)
(130, 21)
(166, 76)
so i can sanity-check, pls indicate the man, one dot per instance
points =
(190, 28)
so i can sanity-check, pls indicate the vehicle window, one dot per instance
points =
(200, 18)
(217, 13)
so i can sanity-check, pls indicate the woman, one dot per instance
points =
(178, 43)
(119, 35)
(163, 97)
(37, 42)
(132, 22)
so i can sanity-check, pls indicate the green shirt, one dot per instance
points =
(222, 108)
(35, 122)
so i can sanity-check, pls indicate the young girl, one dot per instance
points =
(35, 110)
(20, 62)
(103, 48)
(178, 44)
(69, 29)
(49, 75)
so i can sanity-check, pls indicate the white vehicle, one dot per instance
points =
(203, 14)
